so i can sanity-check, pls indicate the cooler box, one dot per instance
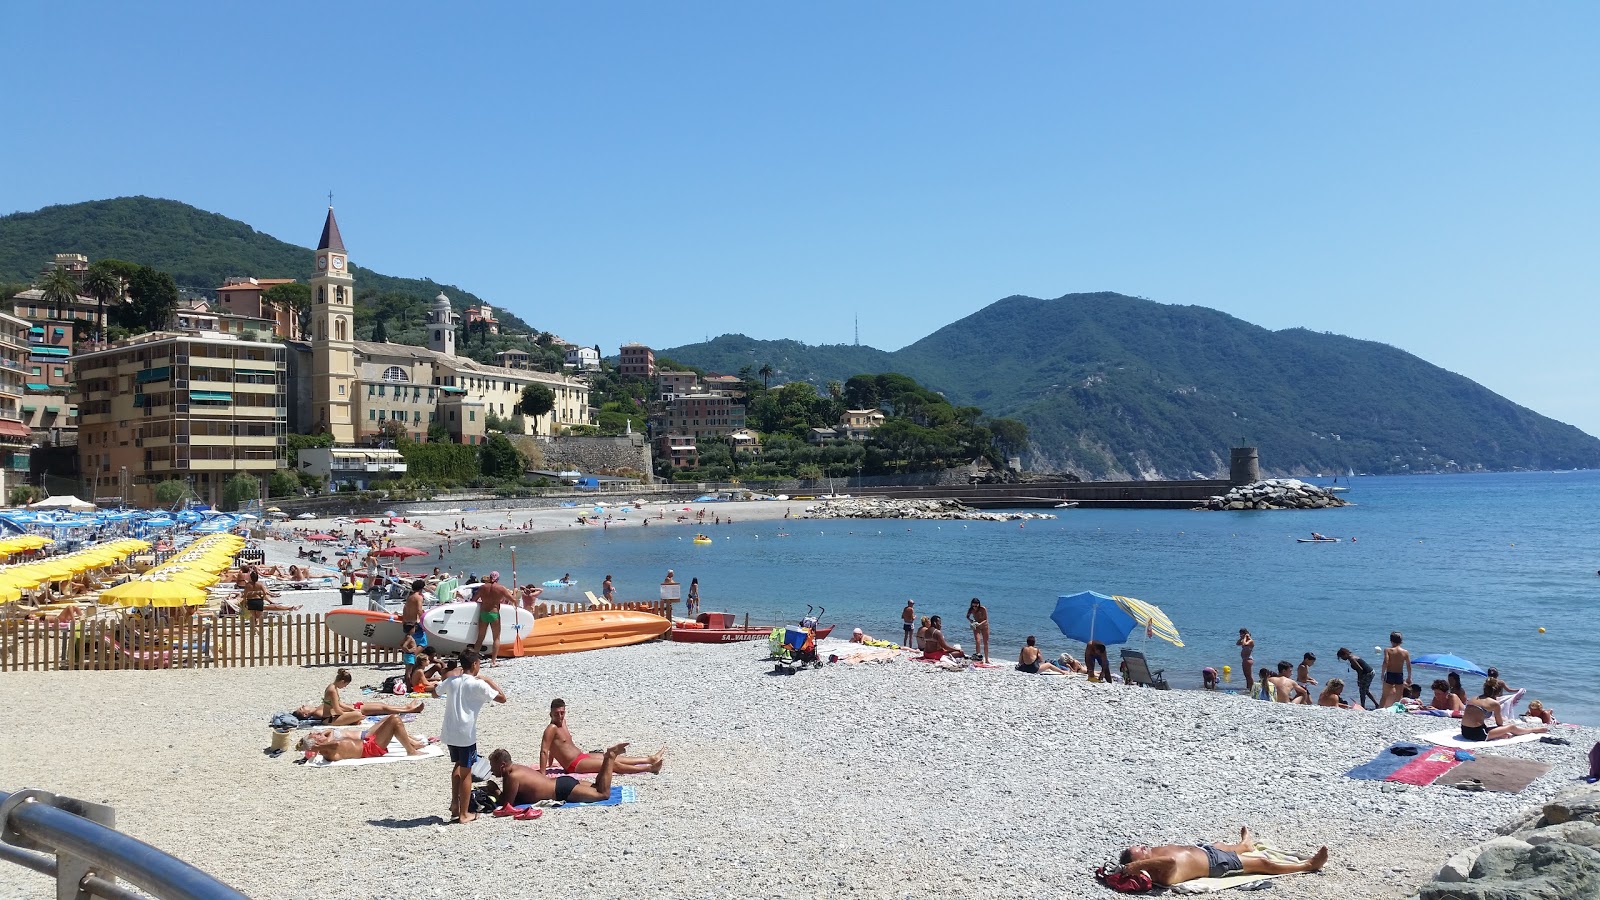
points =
(795, 637)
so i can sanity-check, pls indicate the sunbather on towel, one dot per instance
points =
(1032, 661)
(524, 784)
(557, 748)
(334, 745)
(934, 646)
(334, 711)
(1475, 717)
(1176, 863)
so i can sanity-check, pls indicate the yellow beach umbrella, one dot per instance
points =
(1152, 618)
(155, 593)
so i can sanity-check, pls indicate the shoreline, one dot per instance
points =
(876, 780)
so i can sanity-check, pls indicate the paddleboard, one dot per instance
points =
(558, 583)
(380, 629)
(592, 630)
(1318, 540)
(453, 626)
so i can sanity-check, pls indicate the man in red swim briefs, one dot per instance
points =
(557, 748)
(336, 744)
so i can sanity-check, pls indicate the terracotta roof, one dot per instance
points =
(330, 235)
(260, 285)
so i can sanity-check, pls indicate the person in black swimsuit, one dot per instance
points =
(1032, 661)
(1475, 717)
(1176, 863)
(525, 784)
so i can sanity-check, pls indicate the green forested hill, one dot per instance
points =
(198, 248)
(1118, 386)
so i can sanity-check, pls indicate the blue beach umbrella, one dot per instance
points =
(1448, 662)
(1090, 616)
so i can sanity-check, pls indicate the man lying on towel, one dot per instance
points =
(525, 784)
(557, 748)
(335, 744)
(1176, 863)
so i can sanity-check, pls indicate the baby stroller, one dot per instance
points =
(795, 648)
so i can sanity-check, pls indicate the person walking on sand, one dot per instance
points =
(1364, 673)
(557, 748)
(464, 693)
(608, 591)
(1176, 863)
(1247, 656)
(1396, 670)
(908, 618)
(978, 615)
(489, 597)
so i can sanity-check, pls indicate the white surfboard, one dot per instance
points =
(451, 628)
(380, 629)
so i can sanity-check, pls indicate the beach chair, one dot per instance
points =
(1136, 670)
(596, 602)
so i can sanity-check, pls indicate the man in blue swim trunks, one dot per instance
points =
(525, 784)
(1176, 863)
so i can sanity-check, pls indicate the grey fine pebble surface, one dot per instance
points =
(888, 780)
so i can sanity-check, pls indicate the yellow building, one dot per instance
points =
(333, 332)
(200, 408)
(15, 436)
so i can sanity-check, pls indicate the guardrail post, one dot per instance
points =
(70, 870)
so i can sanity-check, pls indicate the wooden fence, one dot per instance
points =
(228, 642)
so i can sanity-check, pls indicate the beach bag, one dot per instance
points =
(394, 684)
(1125, 882)
(484, 798)
(284, 720)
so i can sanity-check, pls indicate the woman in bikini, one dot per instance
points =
(1247, 656)
(1475, 717)
(334, 711)
(336, 745)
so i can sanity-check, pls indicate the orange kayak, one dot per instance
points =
(592, 630)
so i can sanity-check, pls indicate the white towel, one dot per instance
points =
(397, 753)
(1451, 737)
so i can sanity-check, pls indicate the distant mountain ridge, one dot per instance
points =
(200, 249)
(1118, 386)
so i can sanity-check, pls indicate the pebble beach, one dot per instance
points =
(891, 779)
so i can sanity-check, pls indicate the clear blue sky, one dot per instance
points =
(1423, 174)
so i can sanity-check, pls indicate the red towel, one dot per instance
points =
(1426, 767)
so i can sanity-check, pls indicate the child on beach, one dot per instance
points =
(464, 692)
(1303, 675)
(1364, 675)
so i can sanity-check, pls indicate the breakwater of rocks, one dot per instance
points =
(880, 508)
(1551, 853)
(1276, 493)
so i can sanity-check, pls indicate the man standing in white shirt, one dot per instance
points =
(464, 694)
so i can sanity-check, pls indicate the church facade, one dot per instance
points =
(360, 390)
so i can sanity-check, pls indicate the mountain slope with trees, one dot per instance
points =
(1117, 386)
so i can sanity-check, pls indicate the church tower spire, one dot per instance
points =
(333, 319)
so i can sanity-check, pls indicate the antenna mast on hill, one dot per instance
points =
(858, 330)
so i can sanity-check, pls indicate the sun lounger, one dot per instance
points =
(1137, 670)
(596, 602)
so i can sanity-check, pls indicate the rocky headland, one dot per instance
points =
(881, 508)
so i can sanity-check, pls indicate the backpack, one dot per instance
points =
(484, 798)
(394, 684)
(1124, 882)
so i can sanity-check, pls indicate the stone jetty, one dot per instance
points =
(1276, 493)
(881, 508)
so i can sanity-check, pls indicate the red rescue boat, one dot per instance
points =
(719, 628)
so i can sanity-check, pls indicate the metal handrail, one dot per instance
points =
(93, 855)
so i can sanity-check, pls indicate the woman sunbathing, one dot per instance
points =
(336, 745)
(1333, 694)
(334, 711)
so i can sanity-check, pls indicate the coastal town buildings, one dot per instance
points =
(482, 317)
(241, 298)
(16, 439)
(195, 407)
(585, 359)
(857, 424)
(636, 361)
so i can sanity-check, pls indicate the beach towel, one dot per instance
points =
(1426, 766)
(369, 720)
(619, 795)
(1496, 773)
(1451, 737)
(1241, 880)
(397, 753)
(1386, 763)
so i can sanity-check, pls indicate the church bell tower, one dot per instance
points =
(333, 350)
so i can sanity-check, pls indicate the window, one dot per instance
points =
(36, 370)
(60, 372)
(432, 416)
(341, 390)
(472, 415)
(372, 415)
(371, 389)
(395, 373)
(338, 324)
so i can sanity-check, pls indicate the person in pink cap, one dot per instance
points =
(489, 598)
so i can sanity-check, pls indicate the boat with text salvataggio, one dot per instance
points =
(591, 630)
(721, 628)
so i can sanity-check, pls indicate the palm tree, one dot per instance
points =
(766, 375)
(104, 286)
(60, 290)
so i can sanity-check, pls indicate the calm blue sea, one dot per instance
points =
(1469, 564)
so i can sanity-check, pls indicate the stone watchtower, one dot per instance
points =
(1244, 466)
(442, 326)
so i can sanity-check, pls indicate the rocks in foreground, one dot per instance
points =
(1276, 493)
(1549, 855)
(879, 508)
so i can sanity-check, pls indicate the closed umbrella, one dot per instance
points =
(1448, 662)
(1090, 616)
